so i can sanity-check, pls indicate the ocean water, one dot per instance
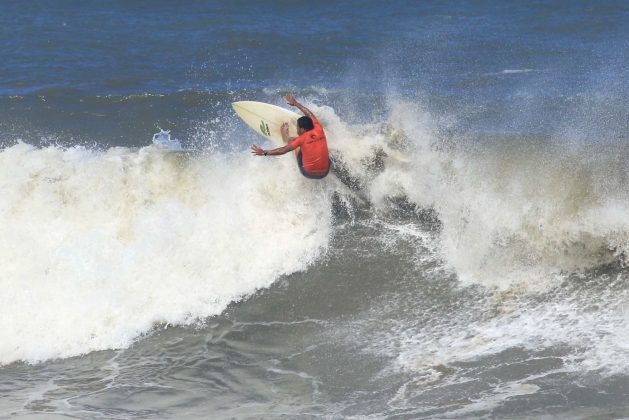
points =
(467, 257)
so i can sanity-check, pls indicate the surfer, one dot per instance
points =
(311, 145)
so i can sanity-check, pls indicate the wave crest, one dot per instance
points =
(98, 247)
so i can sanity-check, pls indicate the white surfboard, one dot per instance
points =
(267, 119)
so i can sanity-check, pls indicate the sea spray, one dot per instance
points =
(509, 210)
(124, 239)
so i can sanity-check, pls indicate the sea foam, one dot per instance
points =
(99, 247)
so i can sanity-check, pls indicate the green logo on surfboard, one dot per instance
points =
(264, 127)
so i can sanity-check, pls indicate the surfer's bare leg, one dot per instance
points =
(284, 131)
(258, 151)
(288, 139)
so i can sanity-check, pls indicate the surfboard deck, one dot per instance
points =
(267, 119)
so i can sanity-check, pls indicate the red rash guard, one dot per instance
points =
(314, 149)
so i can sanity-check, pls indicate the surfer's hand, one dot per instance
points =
(255, 150)
(290, 100)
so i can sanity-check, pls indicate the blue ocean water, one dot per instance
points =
(512, 67)
(466, 258)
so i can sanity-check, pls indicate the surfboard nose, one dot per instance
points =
(267, 119)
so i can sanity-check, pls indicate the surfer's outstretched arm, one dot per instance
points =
(258, 151)
(290, 100)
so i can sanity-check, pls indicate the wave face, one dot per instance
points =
(446, 256)
(99, 247)
(509, 209)
(126, 239)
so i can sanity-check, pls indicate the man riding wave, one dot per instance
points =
(311, 146)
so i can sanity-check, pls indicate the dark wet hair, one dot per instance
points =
(305, 123)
